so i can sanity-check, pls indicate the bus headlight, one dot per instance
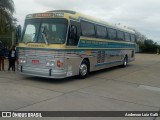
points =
(22, 60)
(50, 63)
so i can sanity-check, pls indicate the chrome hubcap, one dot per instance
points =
(83, 69)
(125, 62)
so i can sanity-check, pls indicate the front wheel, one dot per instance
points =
(83, 69)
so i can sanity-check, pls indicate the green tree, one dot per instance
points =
(6, 15)
(145, 45)
(150, 46)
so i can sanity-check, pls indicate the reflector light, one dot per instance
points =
(59, 63)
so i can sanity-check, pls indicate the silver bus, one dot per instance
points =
(62, 43)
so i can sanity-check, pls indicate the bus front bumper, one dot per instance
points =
(48, 73)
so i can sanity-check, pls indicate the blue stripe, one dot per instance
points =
(100, 44)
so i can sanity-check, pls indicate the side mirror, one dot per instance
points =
(18, 33)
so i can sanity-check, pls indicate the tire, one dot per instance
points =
(83, 70)
(125, 62)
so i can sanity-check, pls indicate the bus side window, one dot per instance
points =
(112, 34)
(133, 38)
(120, 35)
(127, 36)
(73, 36)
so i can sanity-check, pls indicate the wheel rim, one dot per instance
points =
(83, 69)
(125, 62)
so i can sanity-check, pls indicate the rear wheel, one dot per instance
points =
(83, 69)
(125, 61)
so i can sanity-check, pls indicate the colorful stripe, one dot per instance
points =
(103, 44)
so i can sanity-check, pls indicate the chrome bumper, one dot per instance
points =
(48, 73)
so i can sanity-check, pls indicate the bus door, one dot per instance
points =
(72, 55)
(74, 33)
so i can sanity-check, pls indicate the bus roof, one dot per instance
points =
(78, 15)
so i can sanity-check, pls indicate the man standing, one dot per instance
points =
(2, 56)
(12, 58)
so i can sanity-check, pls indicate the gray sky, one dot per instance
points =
(142, 15)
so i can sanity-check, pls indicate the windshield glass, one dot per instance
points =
(49, 31)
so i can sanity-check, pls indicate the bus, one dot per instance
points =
(64, 43)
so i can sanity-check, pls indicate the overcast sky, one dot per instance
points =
(142, 15)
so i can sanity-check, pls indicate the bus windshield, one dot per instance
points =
(49, 31)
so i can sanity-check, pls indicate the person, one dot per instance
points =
(12, 58)
(2, 56)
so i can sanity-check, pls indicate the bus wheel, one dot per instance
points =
(125, 62)
(83, 69)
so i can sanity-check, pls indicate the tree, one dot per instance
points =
(145, 45)
(150, 46)
(6, 15)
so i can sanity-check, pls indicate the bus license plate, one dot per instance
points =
(35, 61)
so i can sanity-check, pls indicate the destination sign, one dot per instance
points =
(45, 15)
